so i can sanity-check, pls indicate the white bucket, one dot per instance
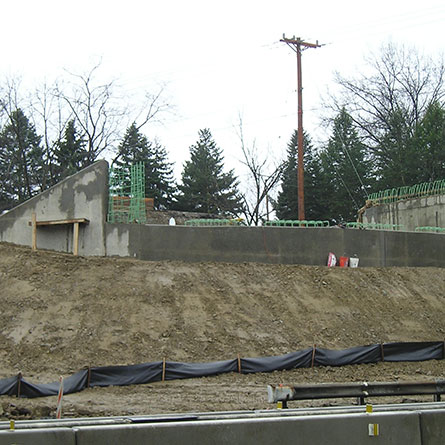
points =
(353, 262)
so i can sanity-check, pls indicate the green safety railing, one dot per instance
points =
(296, 223)
(375, 226)
(407, 192)
(430, 229)
(215, 222)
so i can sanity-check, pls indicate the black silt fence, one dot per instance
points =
(165, 370)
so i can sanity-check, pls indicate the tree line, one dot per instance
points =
(386, 129)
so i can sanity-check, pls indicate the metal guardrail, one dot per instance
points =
(415, 191)
(279, 393)
(296, 223)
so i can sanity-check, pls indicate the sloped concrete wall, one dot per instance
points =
(411, 213)
(82, 195)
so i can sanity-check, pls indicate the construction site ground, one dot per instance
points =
(61, 313)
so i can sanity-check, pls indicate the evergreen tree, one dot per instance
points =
(287, 201)
(22, 167)
(395, 156)
(348, 170)
(205, 186)
(429, 146)
(70, 153)
(159, 183)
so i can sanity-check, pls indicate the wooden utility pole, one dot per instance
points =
(298, 45)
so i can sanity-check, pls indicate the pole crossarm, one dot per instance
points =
(298, 41)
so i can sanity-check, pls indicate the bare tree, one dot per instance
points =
(262, 179)
(50, 119)
(399, 80)
(98, 110)
(387, 104)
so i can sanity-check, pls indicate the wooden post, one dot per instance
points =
(34, 231)
(19, 383)
(163, 370)
(76, 239)
(313, 356)
(239, 364)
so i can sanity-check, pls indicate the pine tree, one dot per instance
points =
(159, 182)
(395, 155)
(22, 167)
(429, 146)
(287, 201)
(347, 169)
(205, 186)
(70, 153)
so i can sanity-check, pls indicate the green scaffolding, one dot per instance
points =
(126, 201)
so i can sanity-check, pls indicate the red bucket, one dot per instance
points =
(343, 261)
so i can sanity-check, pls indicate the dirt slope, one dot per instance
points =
(60, 313)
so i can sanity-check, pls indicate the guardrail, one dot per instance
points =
(279, 393)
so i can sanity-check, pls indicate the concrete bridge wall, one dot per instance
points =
(281, 245)
(411, 213)
(85, 195)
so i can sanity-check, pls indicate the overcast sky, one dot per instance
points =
(214, 59)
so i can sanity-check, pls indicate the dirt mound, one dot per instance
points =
(60, 313)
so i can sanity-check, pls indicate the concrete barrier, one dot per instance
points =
(432, 427)
(394, 429)
(50, 436)
(413, 424)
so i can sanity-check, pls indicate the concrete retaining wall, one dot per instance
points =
(83, 195)
(281, 245)
(411, 213)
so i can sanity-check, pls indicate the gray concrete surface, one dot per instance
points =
(411, 213)
(83, 195)
(282, 245)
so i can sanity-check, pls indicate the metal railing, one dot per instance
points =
(279, 393)
(375, 226)
(430, 229)
(215, 222)
(407, 192)
(296, 223)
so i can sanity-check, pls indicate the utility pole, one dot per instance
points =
(298, 45)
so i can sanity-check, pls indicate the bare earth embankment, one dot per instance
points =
(60, 313)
